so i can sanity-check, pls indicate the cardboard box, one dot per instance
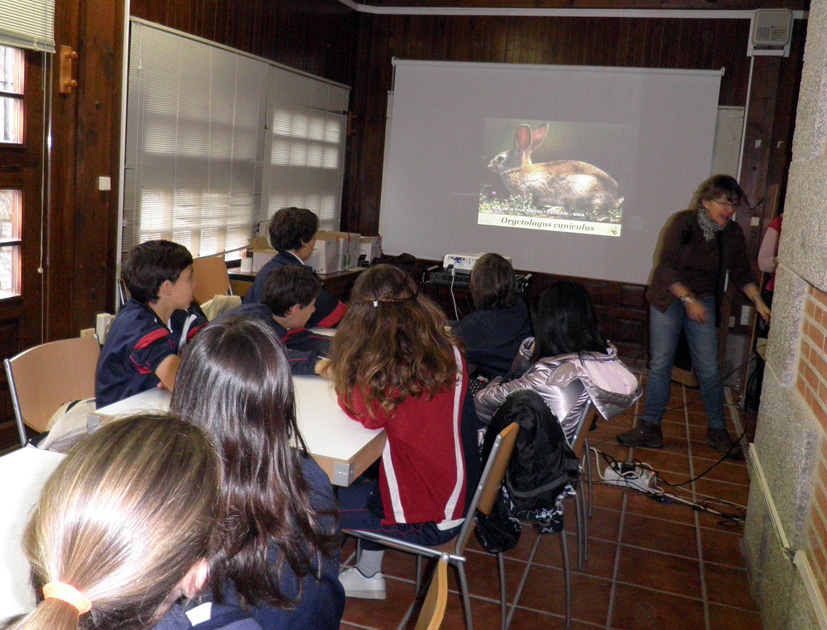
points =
(262, 230)
(326, 254)
(350, 258)
(348, 249)
(261, 252)
(370, 247)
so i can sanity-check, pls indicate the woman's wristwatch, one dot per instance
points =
(687, 299)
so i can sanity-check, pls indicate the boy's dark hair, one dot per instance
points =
(493, 283)
(150, 264)
(284, 287)
(291, 228)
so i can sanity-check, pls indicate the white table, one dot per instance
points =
(24, 473)
(341, 446)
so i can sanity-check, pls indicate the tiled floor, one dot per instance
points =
(651, 565)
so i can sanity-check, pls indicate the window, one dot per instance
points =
(308, 123)
(217, 140)
(193, 147)
(10, 206)
(11, 95)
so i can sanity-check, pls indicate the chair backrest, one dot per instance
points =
(490, 481)
(46, 376)
(433, 608)
(211, 278)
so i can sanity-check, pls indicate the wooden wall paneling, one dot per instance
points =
(95, 217)
(60, 234)
(363, 178)
(319, 37)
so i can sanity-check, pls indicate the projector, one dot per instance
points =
(461, 262)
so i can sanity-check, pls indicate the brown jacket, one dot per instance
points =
(699, 265)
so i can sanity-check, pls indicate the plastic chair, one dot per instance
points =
(46, 376)
(211, 278)
(433, 608)
(483, 501)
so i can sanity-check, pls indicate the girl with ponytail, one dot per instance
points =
(121, 535)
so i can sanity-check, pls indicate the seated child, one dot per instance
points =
(494, 331)
(287, 302)
(394, 366)
(121, 535)
(280, 542)
(293, 234)
(141, 348)
(567, 346)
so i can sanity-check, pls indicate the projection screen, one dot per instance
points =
(570, 170)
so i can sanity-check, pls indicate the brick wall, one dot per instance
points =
(811, 383)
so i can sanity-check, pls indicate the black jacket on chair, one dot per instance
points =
(542, 466)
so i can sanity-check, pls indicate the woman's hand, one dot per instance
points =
(695, 311)
(752, 292)
(763, 310)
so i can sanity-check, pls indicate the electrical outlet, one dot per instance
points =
(746, 315)
(628, 475)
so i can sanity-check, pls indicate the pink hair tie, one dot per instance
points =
(68, 594)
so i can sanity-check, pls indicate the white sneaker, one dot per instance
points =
(357, 585)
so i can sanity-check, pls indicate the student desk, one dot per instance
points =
(341, 446)
(29, 468)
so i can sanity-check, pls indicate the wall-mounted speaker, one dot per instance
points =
(770, 32)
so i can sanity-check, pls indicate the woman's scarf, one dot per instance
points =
(708, 226)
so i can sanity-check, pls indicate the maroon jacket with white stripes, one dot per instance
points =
(422, 475)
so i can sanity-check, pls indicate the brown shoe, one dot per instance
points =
(719, 440)
(644, 435)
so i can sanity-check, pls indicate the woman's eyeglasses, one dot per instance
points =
(728, 203)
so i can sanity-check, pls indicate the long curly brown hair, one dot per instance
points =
(392, 343)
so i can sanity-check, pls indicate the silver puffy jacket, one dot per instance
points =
(567, 383)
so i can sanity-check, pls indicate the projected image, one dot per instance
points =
(525, 188)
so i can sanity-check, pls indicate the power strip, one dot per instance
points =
(628, 475)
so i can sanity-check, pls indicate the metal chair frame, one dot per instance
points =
(483, 501)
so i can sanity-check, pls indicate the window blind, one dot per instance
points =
(217, 140)
(28, 24)
(305, 145)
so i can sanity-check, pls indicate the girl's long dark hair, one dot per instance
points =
(234, 382)
(566, 322)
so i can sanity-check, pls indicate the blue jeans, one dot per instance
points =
(664, 332)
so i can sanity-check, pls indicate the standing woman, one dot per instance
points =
(700, 245)
(279, 552)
